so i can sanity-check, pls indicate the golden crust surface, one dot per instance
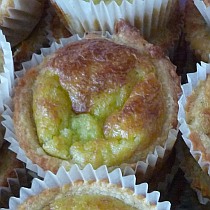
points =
(197, 31)
(102, 188)
(198, 118)
(113, 64)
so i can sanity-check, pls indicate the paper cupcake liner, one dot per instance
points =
(55, 28)
(143, 168)
(89, 174)
(21, 179)
(170, 170)
(20, 19)
(13, 175)
(187, 162)
(81, 16)
(6, 76)
(193, 79)
(36, 40)
(196, 181)
(204, 10)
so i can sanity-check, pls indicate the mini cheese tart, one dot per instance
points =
(18, 19)
(98, 100)
(88, 189)
(197, 31)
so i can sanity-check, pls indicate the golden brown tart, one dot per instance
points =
(88, 189)
(87, 195)
(98, 101)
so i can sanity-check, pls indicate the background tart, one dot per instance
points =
(154, 20)
(18, 19)
(196, 31)
(88, 189)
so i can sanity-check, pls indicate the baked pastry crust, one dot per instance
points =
(197, 31)
(80, 188)
(153, 102)
(197, 117)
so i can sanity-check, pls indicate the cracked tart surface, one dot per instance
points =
(98, 101)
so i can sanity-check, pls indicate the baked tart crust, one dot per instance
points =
(80, 194)
(197, 117)
(125, 67)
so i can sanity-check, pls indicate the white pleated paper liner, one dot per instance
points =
(203, 70)
(197, 178)
(20, 19)
(6, 70)
(55, 28)
(142, 168)
(6, 75)
(81, 16)
(204, 10)
(36, 40)
(88, 174)
(193, 79)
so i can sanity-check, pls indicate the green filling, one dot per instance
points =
(67, 135)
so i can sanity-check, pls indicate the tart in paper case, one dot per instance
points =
(197, 178)
(153, 18)
(18, 18)
(96, 189)
(196, 28)
(38, 158)
(193, 117)
(36, 40)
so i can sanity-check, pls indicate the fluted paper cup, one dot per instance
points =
(90, 182)
(153, 18)
(19, 18)
(143, 168)
(200, 156)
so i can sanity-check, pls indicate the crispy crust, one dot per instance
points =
(196, 31)
(48, 196)
(126, 35)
